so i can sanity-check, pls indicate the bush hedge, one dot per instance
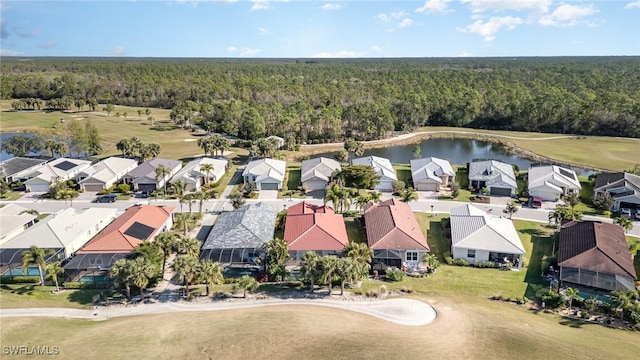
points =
(20, 280)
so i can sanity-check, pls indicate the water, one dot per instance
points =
(4, 155)
(31, 271)
(457, 151)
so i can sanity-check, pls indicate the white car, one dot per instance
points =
(624, 212)
(638, 213)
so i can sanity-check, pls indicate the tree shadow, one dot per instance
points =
(163, 128)
(22, 290)
(536, 282)
(87, 297)
(204, 232)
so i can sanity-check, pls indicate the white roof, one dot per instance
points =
(266, 168)
(472, 228)
(319, 168)
(56, 169)
(191, 172)
(492, 172)
(110, 169)
(12, 217)
(62, 228)
(430, 168)
(553, 176)
(382, 166)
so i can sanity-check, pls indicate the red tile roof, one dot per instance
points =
(391, 225)
(313, 227)
(113, 239)
(595, 246)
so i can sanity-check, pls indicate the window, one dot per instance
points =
(471, 253)
(412, 256)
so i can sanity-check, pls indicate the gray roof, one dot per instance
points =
(605, 181)
(15, 165)
(320, 167)
(148, 168)
(13, 217)
(430, 168)
(492, 172)
(250, 226)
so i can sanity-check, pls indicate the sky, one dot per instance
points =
(324, 29)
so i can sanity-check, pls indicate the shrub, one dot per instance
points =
(455, 190)
(377, 293)
(460, 262)
(124, 188)
(448, 260)
(73, 285)
(20, 280)
(395, 275)
(553, 300)
(398, 186)
(583, 314)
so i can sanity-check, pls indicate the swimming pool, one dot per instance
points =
(236, 272)
(31, 271)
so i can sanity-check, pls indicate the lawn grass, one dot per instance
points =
(11, 196)
(20, 295)
(403, 172)
(355, 232)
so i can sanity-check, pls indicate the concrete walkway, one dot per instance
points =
(406, 312)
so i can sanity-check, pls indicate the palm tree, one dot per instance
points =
(328, 268)
(571, 294)
(166, 242)
(361, 254)
(210, 273)
(200, 197)
(247, 284)
(52, 271)
(206, 143)
(142, 271)
(408, 195)
(139, 111)
(178, 190)
(346, 270)
(207, 169)
(363, 200)
(237, 200)
(122, 273)
(277, 254)
(621, 300)
(510, 209)
(189, 246)
(431, 262)
(309, 267)
(35, 256)
(337, 195)
(626, 224)
(50, 145)
(184, 221)
(376, 196)
(186, 268)
(161, 173)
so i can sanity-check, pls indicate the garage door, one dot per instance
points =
(145, 187)
(498, 191)
(93, 187)
(39, 188)
(427, 187)
(315, 185)
(268, 186)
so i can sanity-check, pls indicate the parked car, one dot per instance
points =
(637, 214)
(107, 198)
(535, 202)
(624, 212)
(145, 194)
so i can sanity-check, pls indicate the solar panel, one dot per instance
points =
(65, 165)
(567, 173)
(139, 231)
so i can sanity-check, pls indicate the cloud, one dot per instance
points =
(464, 54)
(567, 15)
(376, 48)
(263, 31)
(489, 28)
(4, 33)
(435, 7)
(249, 52)
(48, 45)
(260, 5)
(331, 7)
(117, 50)
(398, 14)
(405, 23)
(339, 54)
(534, 6)
(383, 17)
(25, 33)
(633, 5)
(5, 52)
(232, 49)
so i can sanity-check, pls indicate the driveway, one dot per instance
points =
(268, 195)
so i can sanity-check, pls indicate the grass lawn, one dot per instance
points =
(355, 232)
(403, 173)
(11, 196)
(19, 295)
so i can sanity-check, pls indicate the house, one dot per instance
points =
(144, 177)
(382, 168)
(623, 187)
(17, 168)
(394, 235)
(316, 228)
(15, 219)
(267, 174)
(316, 173)
(194, 177)
(116, 241)
(239, 237)
(429, 174)
(103, 174)
(595, 255)
(64, 233)
(61, 169)
(497, 177)
(477, 237)
(551, 182)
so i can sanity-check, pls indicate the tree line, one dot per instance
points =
(327, 100)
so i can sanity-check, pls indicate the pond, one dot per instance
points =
(3, 136)
(458, 151)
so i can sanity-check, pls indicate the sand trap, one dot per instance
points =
(190, 140)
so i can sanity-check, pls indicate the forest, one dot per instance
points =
(322, 100)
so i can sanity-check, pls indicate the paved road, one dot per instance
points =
(407, 312)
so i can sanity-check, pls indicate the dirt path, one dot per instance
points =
(406, 312)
